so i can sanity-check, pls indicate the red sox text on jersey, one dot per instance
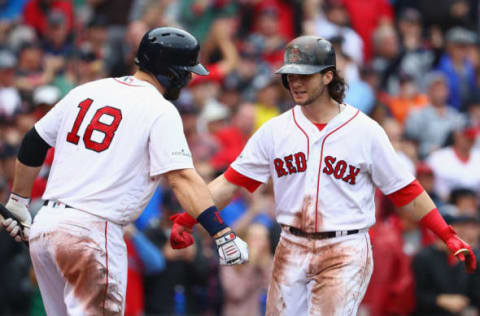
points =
(295, 163)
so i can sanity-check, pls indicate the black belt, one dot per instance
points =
(321, 235)
(55, 204)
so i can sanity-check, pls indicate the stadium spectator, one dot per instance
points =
(457, 68)
(431, 125)
(36, 13)
(333, 22)
(408, 98)
(10, 101)
(463, 163)
(442, 286)
(233, 138)
(245, 286)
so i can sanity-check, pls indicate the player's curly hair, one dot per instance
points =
(337, 87)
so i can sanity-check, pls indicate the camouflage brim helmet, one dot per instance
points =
(307, 55)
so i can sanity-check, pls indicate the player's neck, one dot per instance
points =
(321, 111)
(140, 75)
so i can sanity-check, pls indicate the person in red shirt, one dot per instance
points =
(233, 138)
(366, 16)
(36, 14)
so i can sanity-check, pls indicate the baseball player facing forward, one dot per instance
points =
(113, 138)
(325, 159)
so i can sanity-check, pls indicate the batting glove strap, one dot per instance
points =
(18, 207)
(222, 240)
(20, 199)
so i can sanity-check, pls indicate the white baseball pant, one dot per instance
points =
(80, 262)
(325, 277)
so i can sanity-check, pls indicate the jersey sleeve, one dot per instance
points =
(239, 179)
(49, 125)
(253, 161)
(168, 148)
(387, 169)
(406, 194)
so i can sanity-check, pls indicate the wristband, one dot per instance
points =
(210, 220)
(434, 221)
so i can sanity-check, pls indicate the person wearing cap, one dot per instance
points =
(233, 137)
(457, 68)
(426, 177)
(44, 97)
(10, 100)
(431, 125)
(463, 162)
(56, 41)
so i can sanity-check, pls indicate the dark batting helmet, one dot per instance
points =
(170, 54)
(307, 55)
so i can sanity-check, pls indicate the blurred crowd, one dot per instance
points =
(413, 66)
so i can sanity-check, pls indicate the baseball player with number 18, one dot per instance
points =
(325, 159)
(113, 139)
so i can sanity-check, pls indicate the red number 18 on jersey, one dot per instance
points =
(95, 125)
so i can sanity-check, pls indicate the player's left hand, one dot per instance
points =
(16, 218)
(181, 233)
(463, 251)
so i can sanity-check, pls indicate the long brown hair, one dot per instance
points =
(336, 87)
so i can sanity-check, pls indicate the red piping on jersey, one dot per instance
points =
(320, 165)
(106, 268)
(127, 84)
(308, 139)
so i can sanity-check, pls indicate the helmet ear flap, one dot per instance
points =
(285, 81)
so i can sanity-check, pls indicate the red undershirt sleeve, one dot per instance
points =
(239, 179)
(407, 194)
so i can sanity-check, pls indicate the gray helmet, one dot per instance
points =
(307, 55)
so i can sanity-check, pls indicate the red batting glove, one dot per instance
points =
(459, 248)
(463, 251)
(181, 233)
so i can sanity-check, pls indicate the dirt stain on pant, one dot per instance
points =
(82, 263)
(286, 258)
(334, 276)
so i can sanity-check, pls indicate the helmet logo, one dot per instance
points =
(293, 55)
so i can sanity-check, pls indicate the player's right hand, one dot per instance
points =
(181, 233)
(17, 218)
(231, 249)
(462, 250)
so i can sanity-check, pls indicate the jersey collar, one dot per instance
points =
(131, 81)
(307, 125)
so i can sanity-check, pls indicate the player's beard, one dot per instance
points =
(172, 94)
(313, 96)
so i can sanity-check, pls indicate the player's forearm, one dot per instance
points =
(222, 191)
(419, 207)
(190, 190)
(24, 178)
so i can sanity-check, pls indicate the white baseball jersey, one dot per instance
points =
(111, 138)
(324, 180)
(459, 174)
